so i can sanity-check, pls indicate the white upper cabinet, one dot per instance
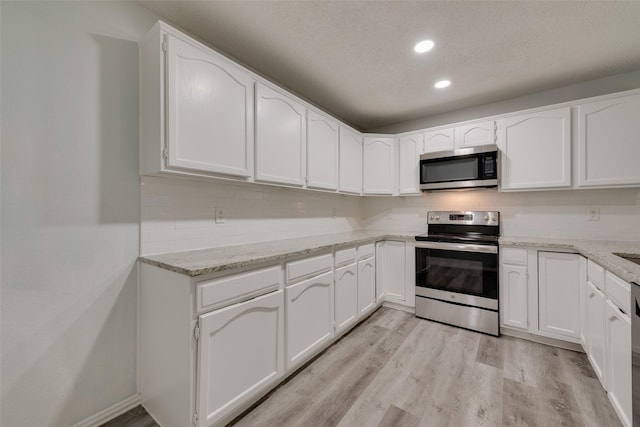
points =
(476, 134)
(536, 150)
(379, 162)
(409, 149)
(438, 140)
(350, 161)
(204, 124)
(609, 142)
(322, 151)
(280, 138)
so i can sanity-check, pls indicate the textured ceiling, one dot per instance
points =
(356, 60)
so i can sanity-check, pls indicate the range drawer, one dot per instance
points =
(308, 267)
(345, 256)
(595, 274)
(224, 291)
(618, 291)
(366, 251)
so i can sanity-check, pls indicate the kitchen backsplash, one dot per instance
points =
(562, 214)
(179, 214)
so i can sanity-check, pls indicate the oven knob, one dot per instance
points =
(486, 218)
(437, 217)
(430, 217)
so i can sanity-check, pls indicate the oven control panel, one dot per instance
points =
(464, 217)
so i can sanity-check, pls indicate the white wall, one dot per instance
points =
(558, 214)
(70, 208)
(178, 214)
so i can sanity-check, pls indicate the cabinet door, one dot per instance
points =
(536, 150)
(583, 303)
(350, 161)
(346, 297)
(475, 134)
(366, 286)
(229, 373)
(390, 271)
(209, 111)
(438, 140)
(596, 327)
(513, 295)
(409, 148)
(309, 317)
(379, 162)
(559, 294)
(280, 138)
(619, 362)
(322, 151)
(609, 142)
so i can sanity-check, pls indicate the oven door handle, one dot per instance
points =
(488, 249)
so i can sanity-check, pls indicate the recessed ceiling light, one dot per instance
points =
(442, 84)
(423, 46)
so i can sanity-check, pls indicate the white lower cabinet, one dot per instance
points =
(559, 276)
(395, 272)
(309, 317)
(210, 346)
(596, 302)
(346, 297)
(618, 360)
(230, 338)
(366, 285)
(513, 296)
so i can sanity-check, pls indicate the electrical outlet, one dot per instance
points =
(220, 216)
(333, 213)
(593, 214)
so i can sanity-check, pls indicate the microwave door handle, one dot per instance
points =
(458, 247)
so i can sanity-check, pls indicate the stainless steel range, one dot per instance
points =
(457, 270)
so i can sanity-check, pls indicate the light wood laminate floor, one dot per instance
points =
(397, 370)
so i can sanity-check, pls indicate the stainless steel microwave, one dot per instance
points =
(471, 167)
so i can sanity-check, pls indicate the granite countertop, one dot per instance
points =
(206, 261)
(599, 251)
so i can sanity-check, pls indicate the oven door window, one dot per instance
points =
(470, 273)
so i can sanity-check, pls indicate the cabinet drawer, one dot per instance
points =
(595, 274)
(514, 256)
(618, 291)
(217, 293)
(308, 267)
(345, 256)
(366, 251)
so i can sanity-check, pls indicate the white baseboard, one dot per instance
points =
(401, 307)
(540, 339)
(111, 412)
